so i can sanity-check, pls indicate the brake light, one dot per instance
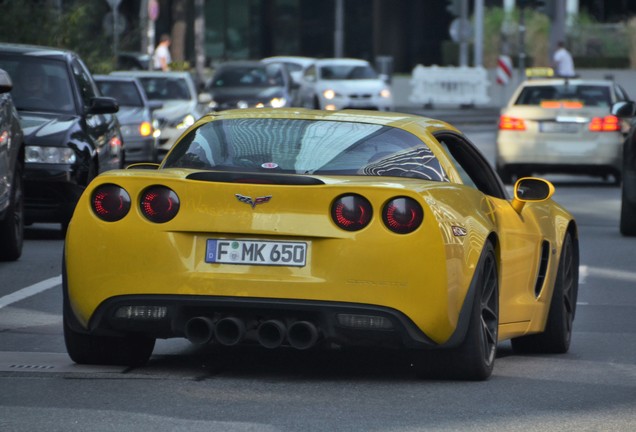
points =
(402, 215)
(608, 123)
(145, 129)
(351, 212)
(511, 123)
(159, 204)
(110, 202)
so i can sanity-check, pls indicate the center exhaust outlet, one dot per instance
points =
(199, 330)
(302, 335)
(271, 333)
(229, 331)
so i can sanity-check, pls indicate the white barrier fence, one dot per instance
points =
(449, 86)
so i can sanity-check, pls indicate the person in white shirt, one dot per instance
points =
(161, 58)
(562, 61)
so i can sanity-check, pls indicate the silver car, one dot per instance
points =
(561, 125)
(182, 105)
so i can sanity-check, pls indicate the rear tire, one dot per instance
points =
(474, 359)
(557, 335)
(628, 213)
(12, 227)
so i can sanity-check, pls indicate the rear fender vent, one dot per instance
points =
(543, 267)
(255, 178)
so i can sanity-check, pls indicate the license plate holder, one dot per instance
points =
(559, 127)
(256, 252)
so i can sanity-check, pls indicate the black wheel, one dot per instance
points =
(107, 350)
(557, 335)
(474, 358)
(12, 227)
(84, 348)
(316, 103)
(628, 213)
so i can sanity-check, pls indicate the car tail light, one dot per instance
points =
(402, 215)
(511, 123)
(608, 123)
(110, 202)
(351, 212)
(159, 204)
(145, 129)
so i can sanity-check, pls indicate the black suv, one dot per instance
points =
(11, 168)
(70, 131)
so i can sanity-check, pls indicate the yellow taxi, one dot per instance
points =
(561, 125)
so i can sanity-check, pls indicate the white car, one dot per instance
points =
(181, 105)
(561, 125)
(335, 84)
(296, 65)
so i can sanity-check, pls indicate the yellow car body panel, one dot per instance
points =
(424, 275)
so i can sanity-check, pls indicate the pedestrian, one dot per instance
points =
(562, 61)
(161, 58)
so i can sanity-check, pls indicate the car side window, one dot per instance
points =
(84, 82)
(310, 73)
(473, 168)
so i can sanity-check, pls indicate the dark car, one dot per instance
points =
(11, 169)
(71, 132)
(244, 84)
(627, 110)
(138, 125)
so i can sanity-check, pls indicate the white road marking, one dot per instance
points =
(30, 291)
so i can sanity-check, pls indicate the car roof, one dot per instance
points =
(241, 63)
(35, 50)
(341, 61)
(115, 78)
(290, 59)
(401, 120)
(562, 81)
(156, 74)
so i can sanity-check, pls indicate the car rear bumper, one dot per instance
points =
(141, 149)
(333, 321)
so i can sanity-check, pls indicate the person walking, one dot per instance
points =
(562, 61)
(161, 57)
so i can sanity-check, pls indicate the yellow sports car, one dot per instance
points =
(303, 229)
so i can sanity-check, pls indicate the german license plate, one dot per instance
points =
(253, 252)
(556, 127)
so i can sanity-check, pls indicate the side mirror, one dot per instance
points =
(624, 109)
(531, 189)
(155, 105)
(103, 105)
(5, 82)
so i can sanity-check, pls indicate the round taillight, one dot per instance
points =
(402, 215)
(159, 204)
(110, 202)
(351, 212)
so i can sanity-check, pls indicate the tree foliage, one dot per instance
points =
(77, 27)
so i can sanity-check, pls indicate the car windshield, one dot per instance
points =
(248, 76)
(165, 88)
(583, 94)
(305, 147)
(39, 84)
(347, 72)
(126, 93)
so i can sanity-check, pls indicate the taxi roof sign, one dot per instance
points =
(539, 72)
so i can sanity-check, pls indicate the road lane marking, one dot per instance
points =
(604, 273)
(30, 291)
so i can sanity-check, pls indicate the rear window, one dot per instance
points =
(585, 95)
(306, 147)
(126, 93)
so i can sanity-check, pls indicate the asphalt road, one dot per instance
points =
(591, 388)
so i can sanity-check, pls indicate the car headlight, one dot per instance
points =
(385, 93)
(53, 155)
(186, 122)
(278, 102)
(330, 94)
